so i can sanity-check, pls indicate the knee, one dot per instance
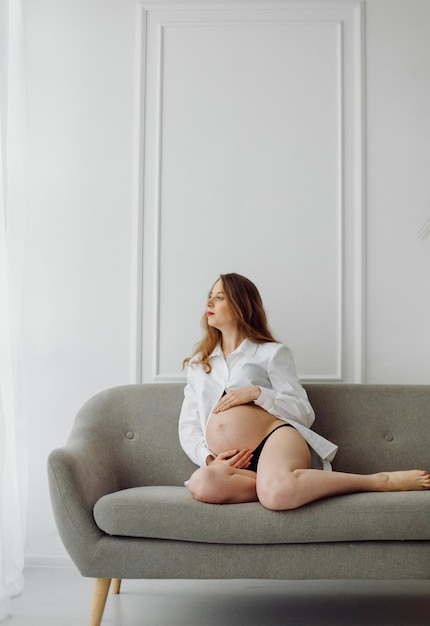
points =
(279, 494)
(204, 485)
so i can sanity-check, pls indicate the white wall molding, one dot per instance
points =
(155, 210)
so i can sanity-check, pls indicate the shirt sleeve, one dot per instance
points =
(287, 399)
(191, 434)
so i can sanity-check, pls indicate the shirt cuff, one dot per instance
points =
(265, 400)
(204, 453)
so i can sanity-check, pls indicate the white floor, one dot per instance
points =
(61, 597)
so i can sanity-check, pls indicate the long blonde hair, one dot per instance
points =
(245, 301)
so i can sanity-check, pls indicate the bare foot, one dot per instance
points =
(410, 480)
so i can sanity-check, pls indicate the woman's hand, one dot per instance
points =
(236, 397)
(240, 459)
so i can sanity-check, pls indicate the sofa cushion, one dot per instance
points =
(171, 513)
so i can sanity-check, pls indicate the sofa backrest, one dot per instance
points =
(137, 427)
(376, 427)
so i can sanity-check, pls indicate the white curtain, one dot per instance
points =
(13, 444)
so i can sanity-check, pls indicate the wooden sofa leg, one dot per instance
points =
(116, 585)
(101, 590)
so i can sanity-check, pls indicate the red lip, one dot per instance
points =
(210, 313)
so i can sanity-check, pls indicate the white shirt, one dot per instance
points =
(270, 367)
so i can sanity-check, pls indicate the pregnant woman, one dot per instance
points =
(246, 418)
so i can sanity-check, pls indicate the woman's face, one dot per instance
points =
(219, 313)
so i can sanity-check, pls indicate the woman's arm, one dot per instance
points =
(191, 434)
(287, 399)
(192, 438)
(240, 459)
(244, 395)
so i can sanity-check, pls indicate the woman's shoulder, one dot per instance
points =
(196, 358)
(271, 348)
(196, 363)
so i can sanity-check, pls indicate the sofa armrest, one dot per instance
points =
(78, 477)
(121, 438)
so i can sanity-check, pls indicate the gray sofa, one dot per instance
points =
(123, 512)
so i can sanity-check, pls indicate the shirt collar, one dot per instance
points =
(247, 347)
(217, 351)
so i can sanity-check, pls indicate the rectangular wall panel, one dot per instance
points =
(252, 164)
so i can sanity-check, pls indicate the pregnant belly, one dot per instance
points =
(240, 427)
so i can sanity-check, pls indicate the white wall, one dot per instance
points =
(398, 192)
(79, 293)
(81, 282)
(253, 145)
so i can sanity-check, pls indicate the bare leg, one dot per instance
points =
(285, 480)
(221, 484)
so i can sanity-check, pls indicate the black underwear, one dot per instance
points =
(259, 449)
